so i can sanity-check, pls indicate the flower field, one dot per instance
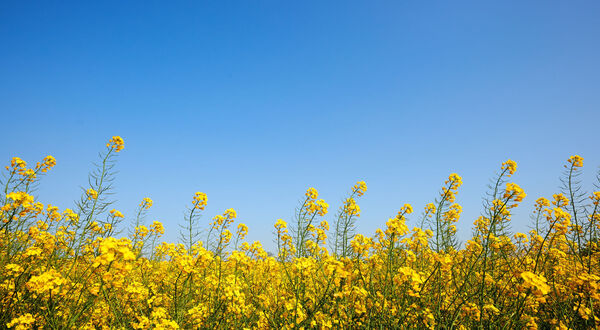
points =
(89, 267)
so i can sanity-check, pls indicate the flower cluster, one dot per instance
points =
(312, 193)
(515, 192)
(146, 203)
(576, 161)
(116, 214)
(510, 166)
(116, 143)
(360, 188)
(91, 193)
(451, 189)
(66, 269)
(200, 201)
(317, 207)
(351, 208)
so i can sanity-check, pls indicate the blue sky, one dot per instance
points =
(252, 102)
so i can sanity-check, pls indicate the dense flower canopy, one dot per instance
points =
(73, 269)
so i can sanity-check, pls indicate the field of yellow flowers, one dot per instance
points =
(73, 268)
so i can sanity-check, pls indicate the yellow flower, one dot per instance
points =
(430, 209)
(319, 207)
(312, 193)
(396, 226)
(360, 188)
(157, 228)
(146, 203)
(280, 224)
(491, 308)
(514, 191)
(560, 200)
(71, 216)
(509, 166)
(116, 214)
(18, 162)
(47, 163)
(13, 269)
(407, 208)
(230, 214)
(521, 237)
(92, 194)
(361, 244)
(111, 249)
(22, 322)
(20, 199)
(324, 225)
(33, 251)
(576, 160)
(226, 236)
(50, 281)
(455, 181)
(217, 221)
(351, 208)
(18, 165)
(535, 282)
(200, 200)
(595, 197)
(30, 174)
(95, 227)
(116, 143)
(242, 230)
(541, 202)
(141, 231)
(453, 214)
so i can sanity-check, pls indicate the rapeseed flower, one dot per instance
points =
(576, 160)
(116, 143)
(69, 270)
(510, 166)
(92, 194)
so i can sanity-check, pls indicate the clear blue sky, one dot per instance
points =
(252, 102)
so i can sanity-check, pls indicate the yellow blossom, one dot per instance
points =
(515, 192)
(242, 230)
(146, 203)
(510, 166)
(595, 198)
(576, 160)
(91, 193)
(536, 282)
(430, 209)
(116, 214)
(200, 200)
(230, 214)
(280, 224)
(22, 322)
(360, 188)
(116, 142)
(560, 200)
(407, 208)
(351, 208)
(47, 163)
(157, 227)
(312, 193)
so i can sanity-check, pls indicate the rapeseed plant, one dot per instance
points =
(72, 269)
